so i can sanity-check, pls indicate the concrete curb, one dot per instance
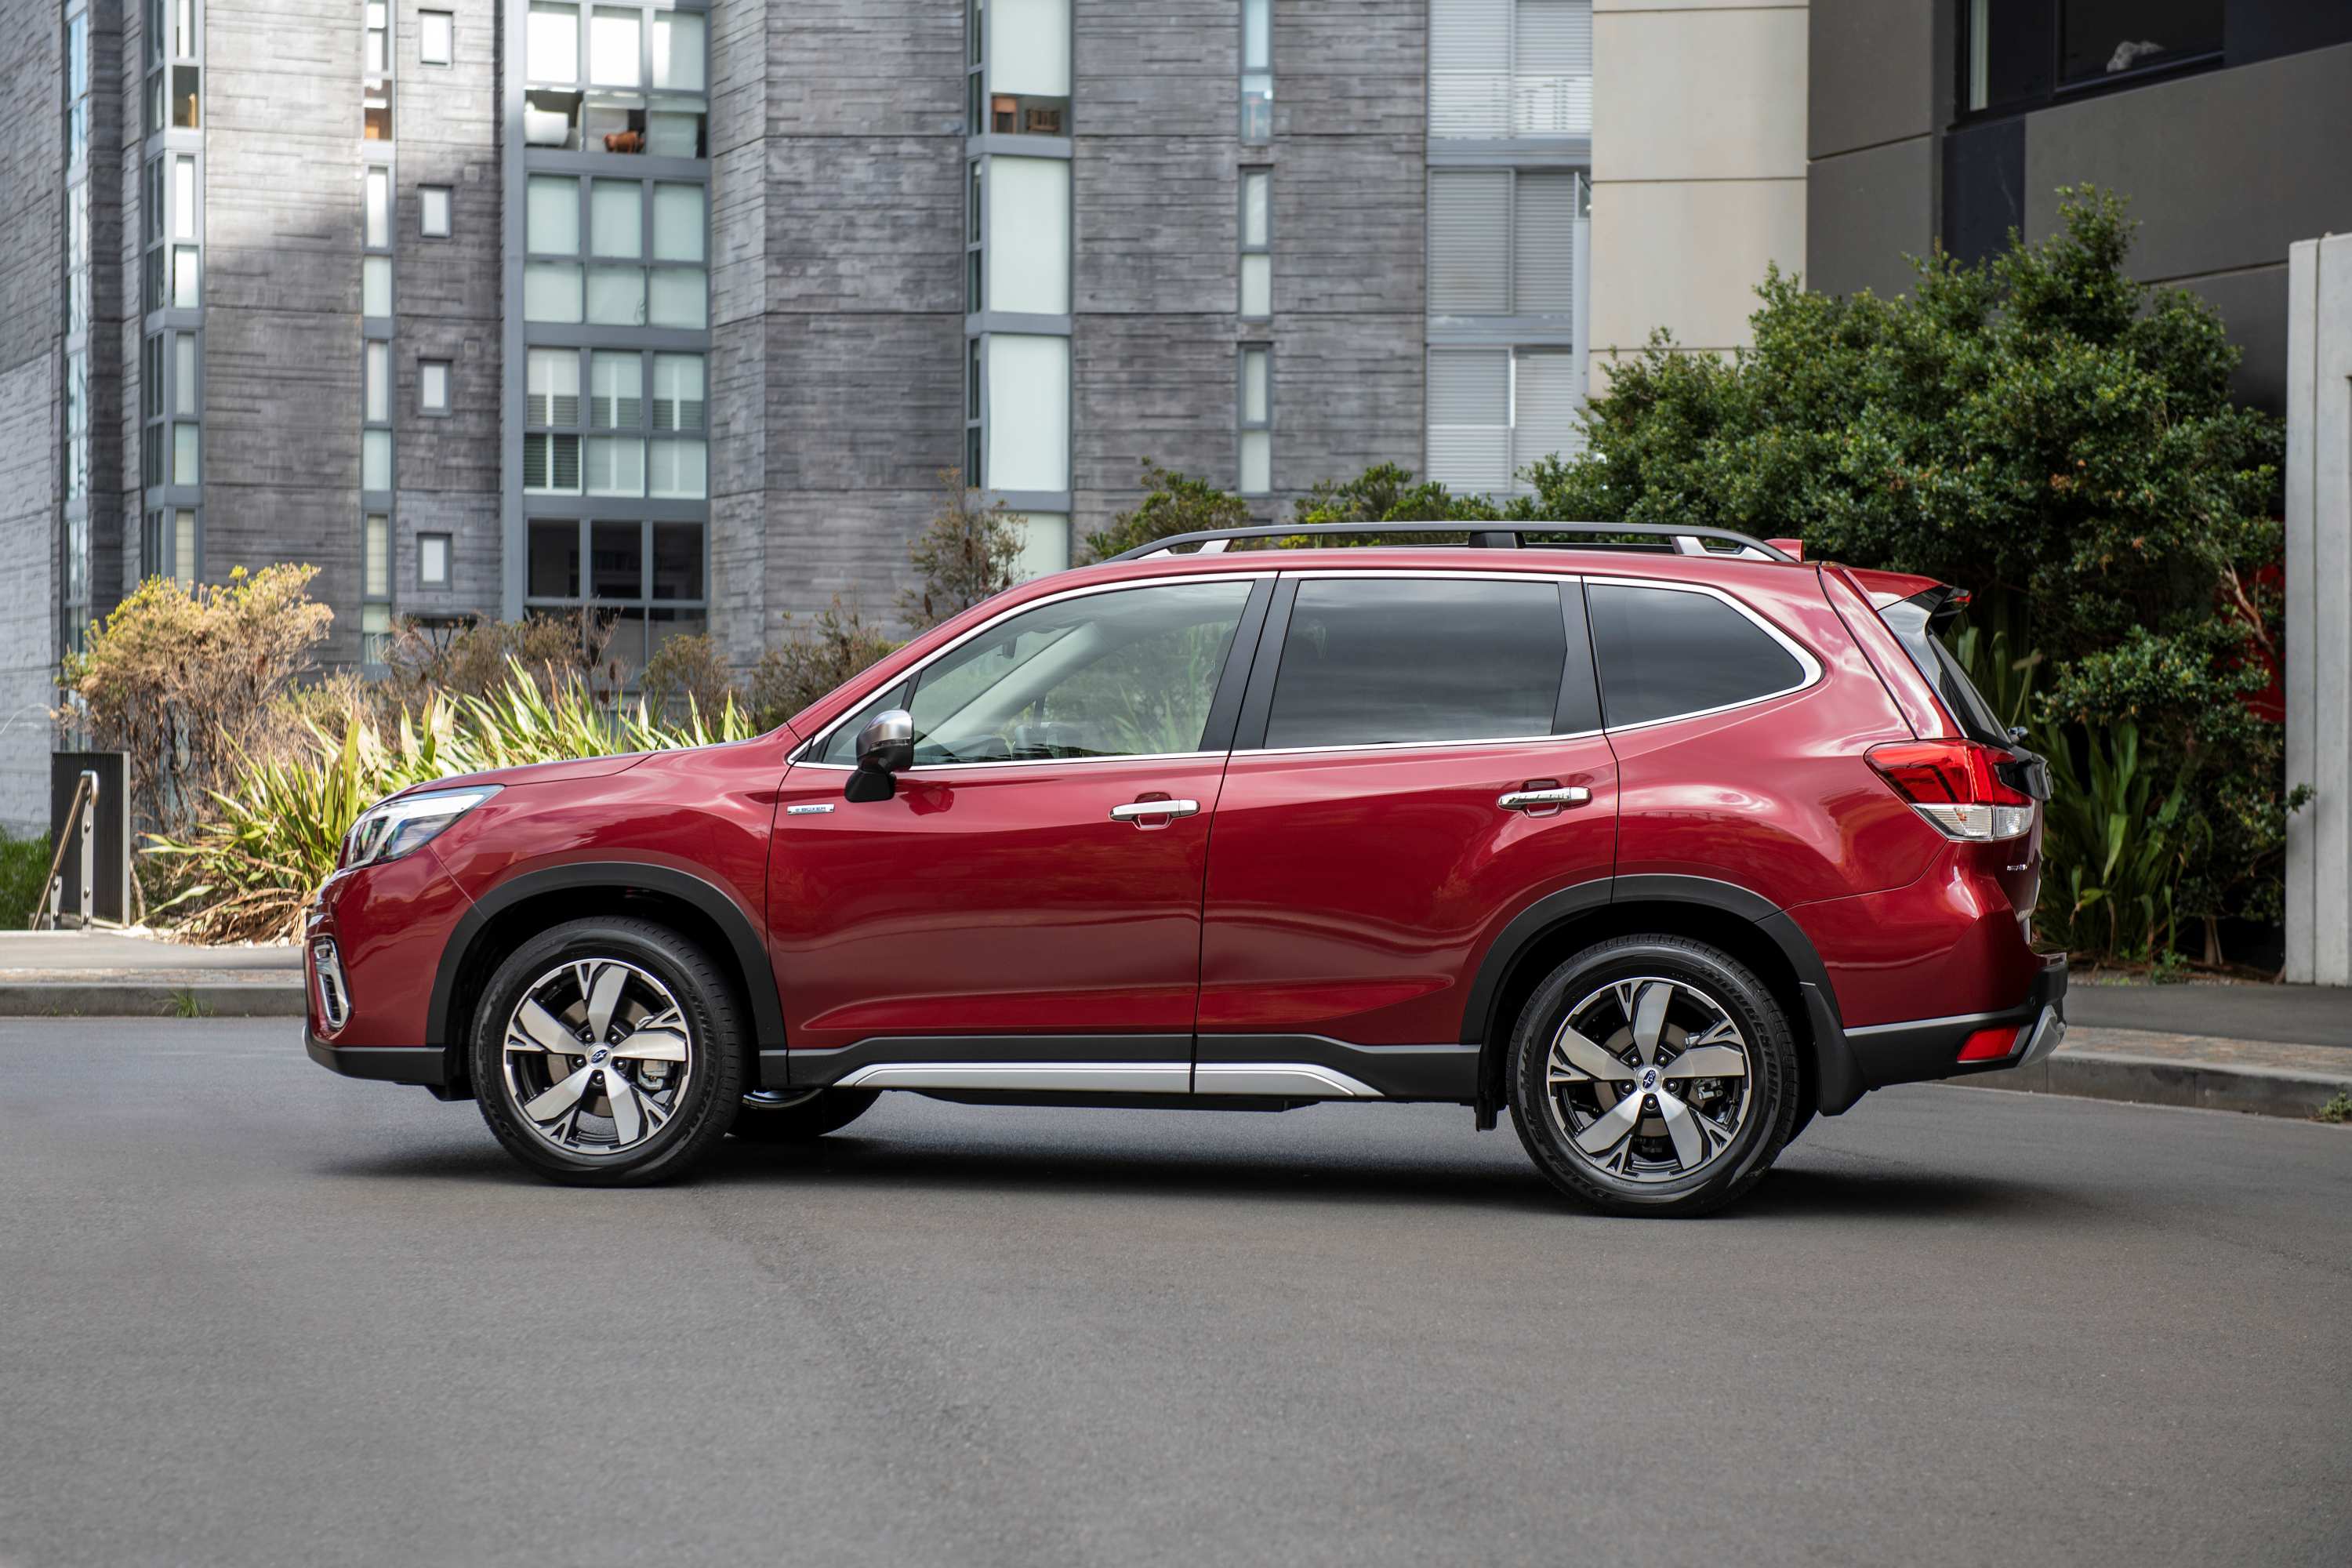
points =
(2163, 1081)
(150, 999)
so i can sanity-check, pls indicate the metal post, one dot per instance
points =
(88, 844)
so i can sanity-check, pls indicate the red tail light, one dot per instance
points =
(1953, 785)
(1988, 1045)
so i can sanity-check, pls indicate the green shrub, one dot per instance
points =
(24, 878)
(1172, 503)
(275, 833)
(968, 552)
(2057, 437)
(806, 666)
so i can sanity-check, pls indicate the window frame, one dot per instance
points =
(1580, 682)
(423, 30)
(1244, 426)
(1248, 633)
(1808, 665)
(424, 194)
(1247, 247)
(425, 406)
(449, 542)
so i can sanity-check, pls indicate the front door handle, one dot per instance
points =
(1543, 799)
(1141, 809)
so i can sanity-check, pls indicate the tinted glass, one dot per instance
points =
(1373, 661)
(1130, 673)
(2109, 37)
(1908, 621)
(1664, 652)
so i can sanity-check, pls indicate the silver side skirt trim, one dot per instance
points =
(1072, 1078)
(1300, 1081)
(1291, 1080)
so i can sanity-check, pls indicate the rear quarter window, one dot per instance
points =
(1665, 652)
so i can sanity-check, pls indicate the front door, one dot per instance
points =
(1422, 763)
(1033, 887)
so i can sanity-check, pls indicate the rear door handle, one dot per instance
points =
(1141, 809)
(1543, 799)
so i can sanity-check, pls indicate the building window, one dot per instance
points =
(435, 38)
(649, 575)
(2016, 55)
(375, 72)
(433, 211)
(168, 545)
(1494, 411)
(1018, 60)
(1027, 229)
(375, 588)
(616, 47)
(433, 386)
(376, 216)
(1256, 419)
(1028, 423)
(1257, 245)
(1500, 70)
(1257, 72)
(1503, 242)
(376, 287)
(433, 559)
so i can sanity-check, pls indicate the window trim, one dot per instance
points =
(425, 59)
(804, 755)
(1806, 662)
(448, 559)
(425, 409)
(425, 229)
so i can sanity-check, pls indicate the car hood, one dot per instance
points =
(542, 772)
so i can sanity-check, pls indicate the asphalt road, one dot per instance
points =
(253, 1314)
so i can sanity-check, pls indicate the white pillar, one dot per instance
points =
(2319, 609)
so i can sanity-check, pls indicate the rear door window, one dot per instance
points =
(1666, 652)
(1400, 660)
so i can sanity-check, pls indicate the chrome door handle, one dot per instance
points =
(1539, 799)
(1143, 808)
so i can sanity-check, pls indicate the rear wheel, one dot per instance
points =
(790, 1116)
(608, 1053)
(1654, 1075)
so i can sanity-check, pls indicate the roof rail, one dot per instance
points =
(1482, 535)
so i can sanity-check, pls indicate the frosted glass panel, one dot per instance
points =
(552, 41)
(1258, 188)
(552, 215)
(616, 296)
(184, 454)
(1029, 236)
(1257, 462)
(677, 50)
(1255, 373)
(379, 373)
(681, 298)
(677, 223)
(1257, 286)
(1029, 46)
(551, 292)
(615, 467)
(379, 207)
(676, 470)
(612, 46)
(183, 373)
(1044, 543)
(375, 286)
(1028, 413)
(375, 461)
(616, 217)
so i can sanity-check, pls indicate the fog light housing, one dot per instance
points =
(335, 995)
(1989, 1044)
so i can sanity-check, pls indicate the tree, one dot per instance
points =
(1172, 504)
(969, 553)
(2041, 429)
(806, 666)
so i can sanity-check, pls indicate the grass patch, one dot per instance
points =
(188, 1005)
(24, 873)
(2339, 1110)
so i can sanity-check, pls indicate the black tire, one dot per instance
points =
(702, 1109)
(799, 1119)
(1771, 1083)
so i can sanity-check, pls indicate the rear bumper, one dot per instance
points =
(1925, 1048)
(425, 1064)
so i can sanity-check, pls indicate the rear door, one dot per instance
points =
(1418, 760)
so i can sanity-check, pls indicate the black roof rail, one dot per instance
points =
(1482, 535)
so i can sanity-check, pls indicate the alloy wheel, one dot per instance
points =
(597, 1055)
(1648, 1079)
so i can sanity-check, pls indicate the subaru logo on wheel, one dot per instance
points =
(1649, 1078)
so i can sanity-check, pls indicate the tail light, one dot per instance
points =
(1955, 785)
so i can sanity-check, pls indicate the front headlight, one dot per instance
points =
(398, 827)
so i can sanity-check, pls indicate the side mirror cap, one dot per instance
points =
(885, 747)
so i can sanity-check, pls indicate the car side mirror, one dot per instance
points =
(885, 747)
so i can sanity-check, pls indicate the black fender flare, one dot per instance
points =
(1837, 1077)
(741, 930)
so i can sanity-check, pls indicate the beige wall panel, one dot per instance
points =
(1688, 256)
(1699, 95)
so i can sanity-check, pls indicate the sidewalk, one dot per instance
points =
(125, 974)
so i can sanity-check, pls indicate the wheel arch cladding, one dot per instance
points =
(510, 912)
(1745, 924)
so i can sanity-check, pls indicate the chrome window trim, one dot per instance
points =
(800, 759)
(1414, 745)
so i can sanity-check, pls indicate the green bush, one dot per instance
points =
(274, 833)
(2058, 438)
(24, 878)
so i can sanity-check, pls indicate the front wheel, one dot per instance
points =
(1654, 1075)
(608, 1052)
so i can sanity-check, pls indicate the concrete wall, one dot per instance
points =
(32, 263)
(1877, 69)
(1699, 166)
(2318, 629)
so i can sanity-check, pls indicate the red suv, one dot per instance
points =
(1664, 840)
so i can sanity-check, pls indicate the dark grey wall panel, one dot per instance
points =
(2224, 169)
(1154, 220)
(1865, 212)
(1984, 187)
(1871, 64)
(2255, 304)
(1165, 70)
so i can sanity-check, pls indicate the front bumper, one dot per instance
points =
(426, 1065)
(1927, 1048)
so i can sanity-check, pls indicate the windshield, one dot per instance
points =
(1908, 619)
